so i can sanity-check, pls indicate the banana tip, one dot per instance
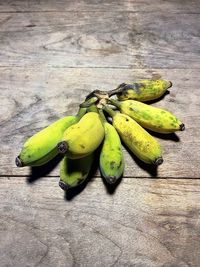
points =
(111, 179)
(62, 147)
(18, 162)
(63, 185)
(158, 161)
(182, 127)
(170, 84)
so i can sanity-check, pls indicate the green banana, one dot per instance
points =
(74, 171)
(83, 138)
(149, 117)
(144, 90)
(139, 141)
(111, 155)
(42, 147)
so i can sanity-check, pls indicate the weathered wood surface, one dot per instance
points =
(36, 98)
(100, 39)
(52, 53)
(144, 223)
(103, 5)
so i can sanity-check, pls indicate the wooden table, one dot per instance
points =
(53, 53)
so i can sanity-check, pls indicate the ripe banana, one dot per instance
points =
(111, 155)
(83, 138)
(74, 171)
(144, 90)
(42, 147)
(139, 141)
(149, 117)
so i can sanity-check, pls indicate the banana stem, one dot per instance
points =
(115, 103)
(93, 108)
(117, 90)
(80, 113)
(102, 116)
(111, 112)
(89, 102)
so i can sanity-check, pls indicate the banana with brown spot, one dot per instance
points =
(144, 90)
(111, 155)
(139, 141)
(149, 117)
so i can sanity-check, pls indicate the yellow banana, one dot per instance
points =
(139, 141)
(152, 118)
(111, 155)
(144, 90)
(42, 147)
(83, 138)
(74, 171)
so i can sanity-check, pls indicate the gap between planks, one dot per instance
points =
(94, 11)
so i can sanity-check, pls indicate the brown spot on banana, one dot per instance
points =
(112, 165)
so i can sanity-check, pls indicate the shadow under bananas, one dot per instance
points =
(170, 136)
(149, 168)
(42, 171)
(74, 191)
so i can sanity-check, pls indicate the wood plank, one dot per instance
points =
(144, 223)
(30, 99)
(103, 5)
(100, 39)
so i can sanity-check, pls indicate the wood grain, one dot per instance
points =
(100, 39)
(103, 5)
(144, 223)
(52, 54)
(31, 99)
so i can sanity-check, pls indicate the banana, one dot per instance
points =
(111, 155)
(139, 141)
(74, 171)
(149, 117)
(42, 147)
(144, 90)
(83, 138)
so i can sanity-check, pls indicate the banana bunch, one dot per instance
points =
(78, 138)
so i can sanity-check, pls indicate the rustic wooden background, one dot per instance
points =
(53, 53)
